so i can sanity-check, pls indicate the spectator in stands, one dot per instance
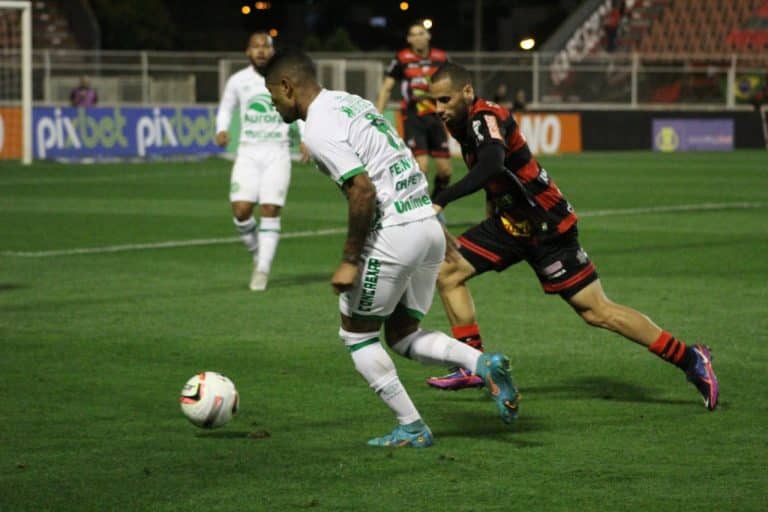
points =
(84, 95)
(611, 25)
(519, 102)
(501, 96)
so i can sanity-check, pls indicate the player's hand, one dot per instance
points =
(222, 139)
(345, 277)
(305, 156)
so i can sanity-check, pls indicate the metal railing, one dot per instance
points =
(619, 80)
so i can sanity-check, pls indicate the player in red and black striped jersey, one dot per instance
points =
(424, 132)
(529, 220)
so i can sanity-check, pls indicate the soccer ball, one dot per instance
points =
(209, 400)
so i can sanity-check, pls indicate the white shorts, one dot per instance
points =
(261, 174)
(400, 268)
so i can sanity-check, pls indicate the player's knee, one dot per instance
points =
(269, 210)
(399, 326)
(242, 211)
(444, 279)
(443, 167)
(449, 276)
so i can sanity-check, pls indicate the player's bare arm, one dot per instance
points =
(384, 93)
(361, 201)
(222, 138)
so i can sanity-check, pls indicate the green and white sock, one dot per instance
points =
(269, 236)
(247, 230)
(378, 370)
(437, 348)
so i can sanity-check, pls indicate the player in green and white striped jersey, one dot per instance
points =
(262, 171)
(393, 249)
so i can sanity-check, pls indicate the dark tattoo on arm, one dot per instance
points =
(361, 201)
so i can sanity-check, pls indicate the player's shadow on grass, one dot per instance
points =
(301, 279)
(604, 388)
(9, 287)
(489, 426)
(230, 434)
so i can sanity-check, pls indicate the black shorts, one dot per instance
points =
(425, 134)
(560, 263)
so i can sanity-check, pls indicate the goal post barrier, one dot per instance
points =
(19, 101)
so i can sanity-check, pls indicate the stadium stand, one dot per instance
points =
(695, 26)
(64, 25)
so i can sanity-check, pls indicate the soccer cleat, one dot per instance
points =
(458, 378)
(258, 281)
(494, 369)
(413, 435)
(703, 376)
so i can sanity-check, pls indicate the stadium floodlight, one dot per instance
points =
(16, 81)
(528, 43)
(427, 23)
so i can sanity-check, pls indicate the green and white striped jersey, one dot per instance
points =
(346, 136)
(259, 121)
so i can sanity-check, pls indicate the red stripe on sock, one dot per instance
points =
(678, 352)
(465, 331)
(657, 347)
(668, 347)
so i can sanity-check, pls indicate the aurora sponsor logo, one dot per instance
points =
(261, 103)
(261, 110)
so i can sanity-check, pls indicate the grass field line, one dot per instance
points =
(336, 231)
(120, 178)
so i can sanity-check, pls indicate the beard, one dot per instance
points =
(288, 115)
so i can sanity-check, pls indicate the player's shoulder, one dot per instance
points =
(243, 72)
(246, 74)
(325, 116)
(406, 55)
(437, 55)
(485, 107)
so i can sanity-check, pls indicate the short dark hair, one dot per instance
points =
(419, 24)
(459, 75)
(290, 62)
(261, 33)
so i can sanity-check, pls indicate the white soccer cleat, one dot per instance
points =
(258, 281)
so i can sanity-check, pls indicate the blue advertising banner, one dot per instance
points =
(692, 135)
(123, 132)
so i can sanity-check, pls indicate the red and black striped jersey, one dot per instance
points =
(525, 195)
(413, 71)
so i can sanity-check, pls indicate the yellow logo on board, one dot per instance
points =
(667, 139)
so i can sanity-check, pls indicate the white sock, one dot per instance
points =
(378, 370)
(269, 235)
(437, 348)
(247, 230)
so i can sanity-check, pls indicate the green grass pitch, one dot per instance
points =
(95, 347)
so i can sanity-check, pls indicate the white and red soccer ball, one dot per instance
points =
(209, 400)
